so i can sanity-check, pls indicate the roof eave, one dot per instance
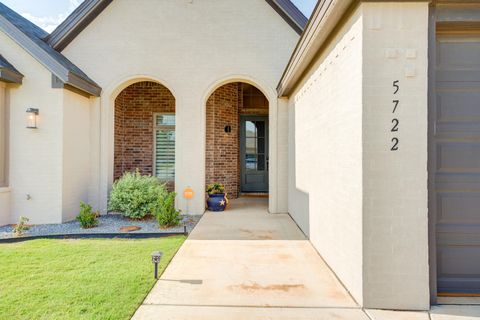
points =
(69, 29)
(10, 76)
(77, 83)
(76, 23)
(324, 19)
(62, 73)
(290, 14)
(84, 85)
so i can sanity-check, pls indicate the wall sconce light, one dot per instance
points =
(156, 257)
(32, 115)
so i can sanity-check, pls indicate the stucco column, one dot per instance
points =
(395, 90)
(190, 153)
(282, 156)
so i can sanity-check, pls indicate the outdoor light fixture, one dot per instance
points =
(32, 115)
(156, 257)
(188, 195)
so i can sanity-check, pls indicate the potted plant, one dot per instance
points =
(217, 199)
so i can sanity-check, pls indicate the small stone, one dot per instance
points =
(129, 229)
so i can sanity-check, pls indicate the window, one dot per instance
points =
(164, 157)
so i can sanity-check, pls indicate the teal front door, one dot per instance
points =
(254, 153)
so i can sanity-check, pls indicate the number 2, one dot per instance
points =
(395, 144)
(396, 86)
(395, 125)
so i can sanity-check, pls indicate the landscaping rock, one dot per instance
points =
(110, 223)
(129, 229)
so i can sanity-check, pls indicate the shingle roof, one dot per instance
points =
(31, 38)
(8, 72)
(90, 9)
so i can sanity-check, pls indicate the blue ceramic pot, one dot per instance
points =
(216, 202)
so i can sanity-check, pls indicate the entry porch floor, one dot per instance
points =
(245, 263)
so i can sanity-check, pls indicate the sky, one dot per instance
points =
(48, 14)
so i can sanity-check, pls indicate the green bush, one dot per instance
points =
(87, 218)
(165, 211)
(215, 188)
(136, 196)
(21, 227)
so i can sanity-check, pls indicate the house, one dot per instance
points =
(362, 124)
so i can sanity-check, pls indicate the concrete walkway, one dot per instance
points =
(248, 264)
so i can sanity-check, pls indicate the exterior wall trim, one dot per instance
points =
(46, 60)
(325, 18)
(76, 23)
(88, 11)
(431, 156)
(10, 76)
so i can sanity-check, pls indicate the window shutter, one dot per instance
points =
(165, 148)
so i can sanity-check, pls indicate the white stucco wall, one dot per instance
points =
(35, 156)
(396, 274)
(326, 178)
(4, 190)
(5, 206)
(76, 153)
(298, 200)
(191, 47)
(3, 136)
(367, 205)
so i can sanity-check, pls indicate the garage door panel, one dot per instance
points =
(456, 162)
(462, 76)
(458, 208)
(458, 157)
(460, 52)
(459, 107)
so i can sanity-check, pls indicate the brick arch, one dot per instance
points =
(224, 107)
(134, 110)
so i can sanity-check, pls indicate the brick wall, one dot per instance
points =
(134, 139)
(224, 107)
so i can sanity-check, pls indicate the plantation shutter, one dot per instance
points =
(165, 147)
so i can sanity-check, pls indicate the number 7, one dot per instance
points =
(396, 102)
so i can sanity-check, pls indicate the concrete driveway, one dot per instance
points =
(248, 264)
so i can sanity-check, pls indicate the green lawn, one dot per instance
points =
(78, 279)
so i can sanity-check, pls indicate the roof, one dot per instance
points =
(8, 73)
(322, 23)
(90, 9)
(290, 13)
(31, 38)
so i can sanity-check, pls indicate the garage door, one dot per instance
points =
(456, 162)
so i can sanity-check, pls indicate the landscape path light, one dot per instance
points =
(156, 257)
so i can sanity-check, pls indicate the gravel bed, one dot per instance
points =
(110, 223)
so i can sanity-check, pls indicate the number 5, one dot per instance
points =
(396, 86)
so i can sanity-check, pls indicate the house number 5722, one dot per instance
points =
(395, 122)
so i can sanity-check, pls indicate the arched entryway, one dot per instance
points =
(237, 139)
(144, 130)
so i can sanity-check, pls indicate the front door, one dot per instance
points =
(254, 153)
(455, 162)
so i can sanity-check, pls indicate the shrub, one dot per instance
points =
(20, 228)
(87, 218)
(215, 188)
(167, 215)
(136, 196)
